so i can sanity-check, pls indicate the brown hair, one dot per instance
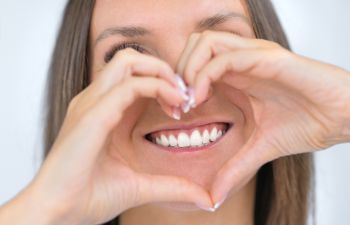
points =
(284, 191)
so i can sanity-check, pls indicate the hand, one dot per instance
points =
(79, 181)
(299, 105)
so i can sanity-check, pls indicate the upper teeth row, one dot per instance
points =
(196, 139)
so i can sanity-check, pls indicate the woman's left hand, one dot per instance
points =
(299, 105)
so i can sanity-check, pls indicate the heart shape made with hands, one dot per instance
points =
(297, 107)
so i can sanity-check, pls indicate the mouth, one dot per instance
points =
(189, 139)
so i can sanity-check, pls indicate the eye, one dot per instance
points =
(236, 33)
(109, 55)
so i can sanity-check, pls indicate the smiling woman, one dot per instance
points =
(90, 36)
(181, 112)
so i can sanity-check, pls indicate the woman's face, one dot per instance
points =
(170, 23)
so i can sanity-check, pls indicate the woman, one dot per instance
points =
(227, 141)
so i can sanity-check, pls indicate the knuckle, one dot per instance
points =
(160, 87)
(274, 45)
(125, 56)
(194, 35)
(72, 104)
(282, 56)
(166, 66)
(207, 33)
(130, 90)
(162, 67)
(208, 36)
(263, 43)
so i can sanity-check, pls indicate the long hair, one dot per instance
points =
(284, 190)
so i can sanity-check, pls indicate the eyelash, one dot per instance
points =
(109, 55)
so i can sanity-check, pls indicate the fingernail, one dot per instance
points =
(219, 203)
(184, 95)
(191, 101)
(186, 107)
(176, 113)
(180, 83)
(205, 208)
(182, 87)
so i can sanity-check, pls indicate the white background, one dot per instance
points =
(316, 28)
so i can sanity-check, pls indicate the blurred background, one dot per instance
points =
(316, 28)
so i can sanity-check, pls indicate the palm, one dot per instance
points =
(283, 122)
(111, 181)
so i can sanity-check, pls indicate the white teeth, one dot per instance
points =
(172, 141)
(183, 140)
(196, 139)
(205, 137)
(158, 141)
(213, 134)
(219, 134)
(164, 141)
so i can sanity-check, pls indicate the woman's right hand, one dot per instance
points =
(79, 182)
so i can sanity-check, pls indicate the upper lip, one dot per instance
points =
(187, 125)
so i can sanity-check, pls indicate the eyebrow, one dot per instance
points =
(136, 31)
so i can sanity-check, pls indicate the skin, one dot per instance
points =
(224, 104)
(295, 105)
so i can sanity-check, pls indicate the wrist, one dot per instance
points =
(28, 208)
(19, 211)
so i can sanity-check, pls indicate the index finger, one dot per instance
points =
(210, 44)
(129, 62)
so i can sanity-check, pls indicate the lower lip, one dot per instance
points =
(193, 149)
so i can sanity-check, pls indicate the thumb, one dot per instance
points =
(237, 171)
(161, 188)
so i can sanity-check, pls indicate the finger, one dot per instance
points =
(130, 90)
(211, 44)
(251, 63)
(171, 111)
(159, 188)
(241, 168)
(129, 62)
(191, 43)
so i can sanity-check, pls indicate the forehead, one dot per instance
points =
(157, 13)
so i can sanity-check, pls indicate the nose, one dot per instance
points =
(173, 48)
(173, 54)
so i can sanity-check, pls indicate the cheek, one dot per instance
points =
(240, 101)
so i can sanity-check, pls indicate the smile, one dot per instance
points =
(190, 139)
